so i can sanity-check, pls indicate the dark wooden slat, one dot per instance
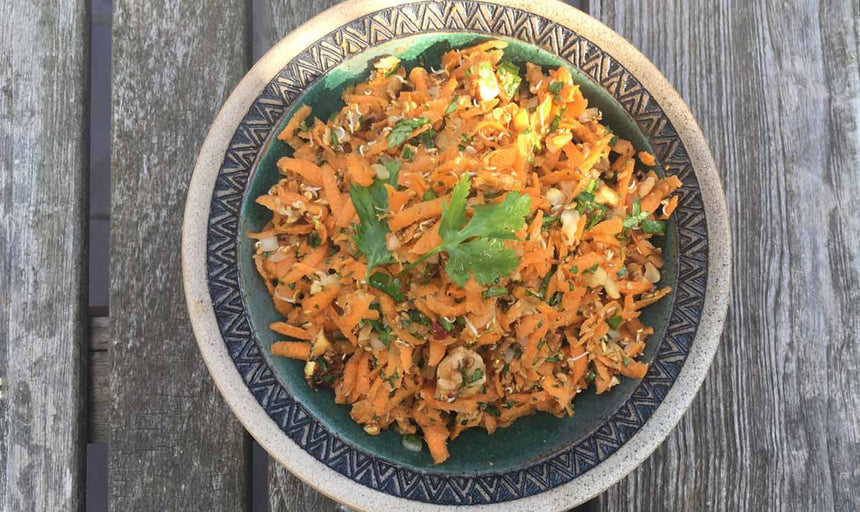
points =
(43, 240)
(174, 445)
(98, 388)
(273, 19)
(774, 85)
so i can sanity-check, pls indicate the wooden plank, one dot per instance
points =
(43, 240)
(174, 445)
(98, 387)
(775, 87)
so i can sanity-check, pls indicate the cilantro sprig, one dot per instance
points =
(371, 205)
(478, 246)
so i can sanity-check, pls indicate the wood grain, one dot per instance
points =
(98, 386)
(774, 85)
(43, 240)
(174, 445)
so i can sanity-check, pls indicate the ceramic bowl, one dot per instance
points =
(540, 462)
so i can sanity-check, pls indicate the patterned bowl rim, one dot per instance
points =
(565, 493)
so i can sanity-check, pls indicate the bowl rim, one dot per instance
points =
(331, 483)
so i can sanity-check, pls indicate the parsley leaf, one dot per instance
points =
(486, 258)
(614, 322)
(403, 130)
(387, 284)
(369, 203)
(371, 230)
(477, 247)
(509, 77)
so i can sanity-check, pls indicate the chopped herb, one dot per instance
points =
(506, 368)
(303, 127)
(555, 300)
(429, 195)
(314, 239)
(544, 284)
(452, 107)
(554, 88)
(476, 376)
(586, 205)
(494, 291)
(387, 284)
(574, 270)
(492, 409)
(428, 138)
(592, 269)
(654, 227)
(328, 379)
(554, 359)
(333, 139)
(408, 153)
(542, 342)
(509, 404)
(403, 130)
(553, 125)
(625, 360)
(621, 271)
(509, 78)
(418, 317)
(589, 377)
(636, 216)
(446, 324)
(547, 222)
(614, 322)
(393, 377)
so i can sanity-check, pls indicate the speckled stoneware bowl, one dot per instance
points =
(541, 462)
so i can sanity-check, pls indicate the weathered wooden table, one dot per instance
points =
(775, 87)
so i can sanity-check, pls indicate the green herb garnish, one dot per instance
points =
(387, 284)
(494, 291)
(554, 88)
(452, 107)
(403, 129)
(477, 248)
(509, 78)
(614, 322)
(654, 227)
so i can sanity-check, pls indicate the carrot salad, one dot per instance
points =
(462, 247)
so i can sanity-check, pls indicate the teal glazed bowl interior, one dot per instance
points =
(529, 439)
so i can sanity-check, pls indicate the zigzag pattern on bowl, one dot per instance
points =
(291, 416)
